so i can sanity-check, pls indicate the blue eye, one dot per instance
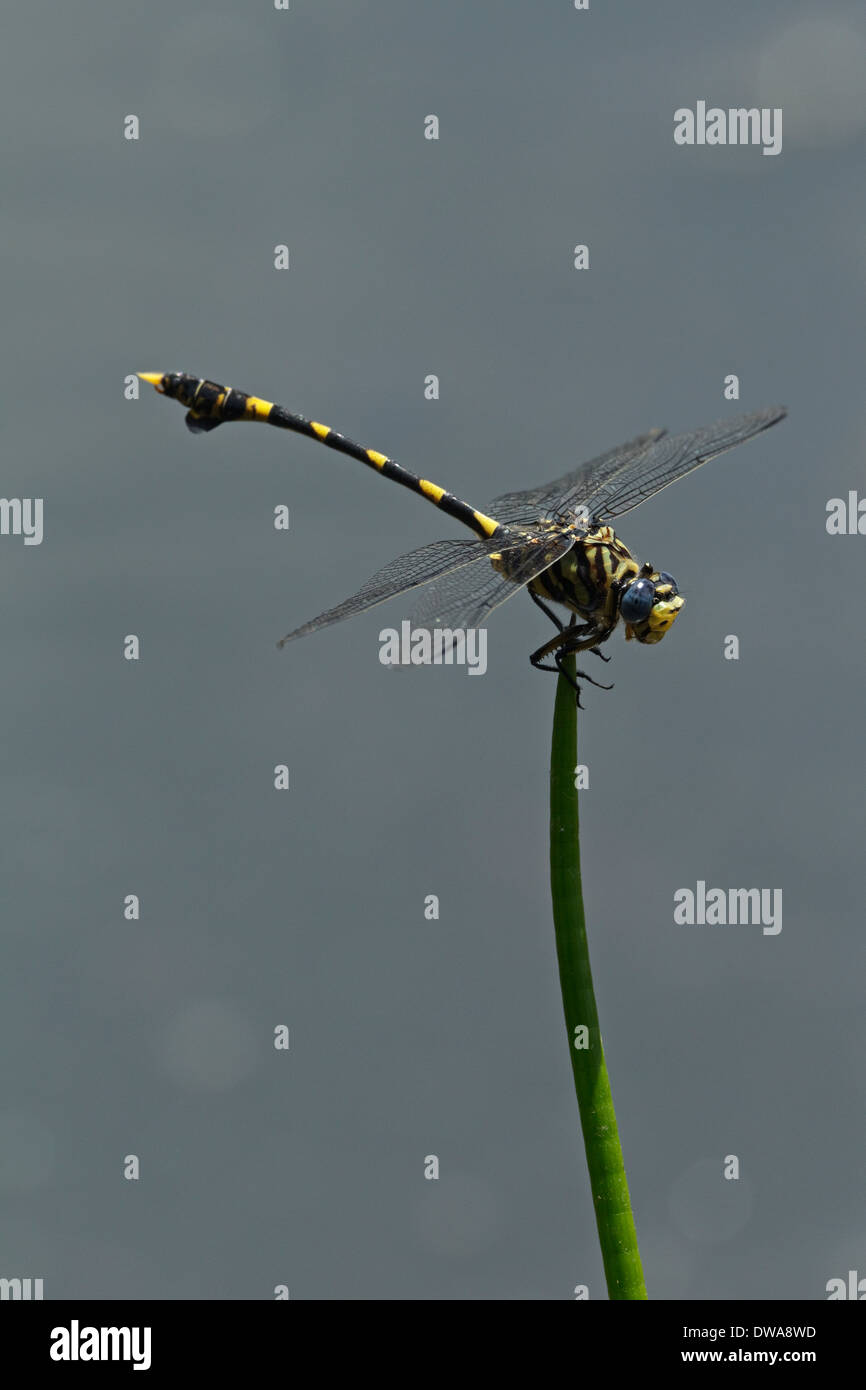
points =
(669, 579)
(637, 600)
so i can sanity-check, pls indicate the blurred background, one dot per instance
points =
(305, 908)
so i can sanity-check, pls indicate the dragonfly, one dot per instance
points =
(555, 541)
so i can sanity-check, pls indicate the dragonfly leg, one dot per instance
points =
(574, 638)
(562, 628)
(548, 612)
(558, 669)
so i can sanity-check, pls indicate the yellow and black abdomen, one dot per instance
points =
(210, 405)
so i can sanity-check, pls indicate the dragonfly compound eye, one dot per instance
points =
(637, 600)
(665, 578)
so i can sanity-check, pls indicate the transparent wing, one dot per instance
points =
(582, 482)
(465, 597)
(671, 457)
(616, 482)
(407, 572)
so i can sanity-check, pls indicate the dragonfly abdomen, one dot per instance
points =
(209, 405)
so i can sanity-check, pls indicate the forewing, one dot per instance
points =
(407, 572)
(618, 481)
(563, 494)
(671, 457)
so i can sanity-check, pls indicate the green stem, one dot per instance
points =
(607, 1177)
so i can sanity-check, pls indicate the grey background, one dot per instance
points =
(306, 908)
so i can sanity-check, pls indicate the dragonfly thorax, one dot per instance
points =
(600, 580)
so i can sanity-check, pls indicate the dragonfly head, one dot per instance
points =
(649, 605)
